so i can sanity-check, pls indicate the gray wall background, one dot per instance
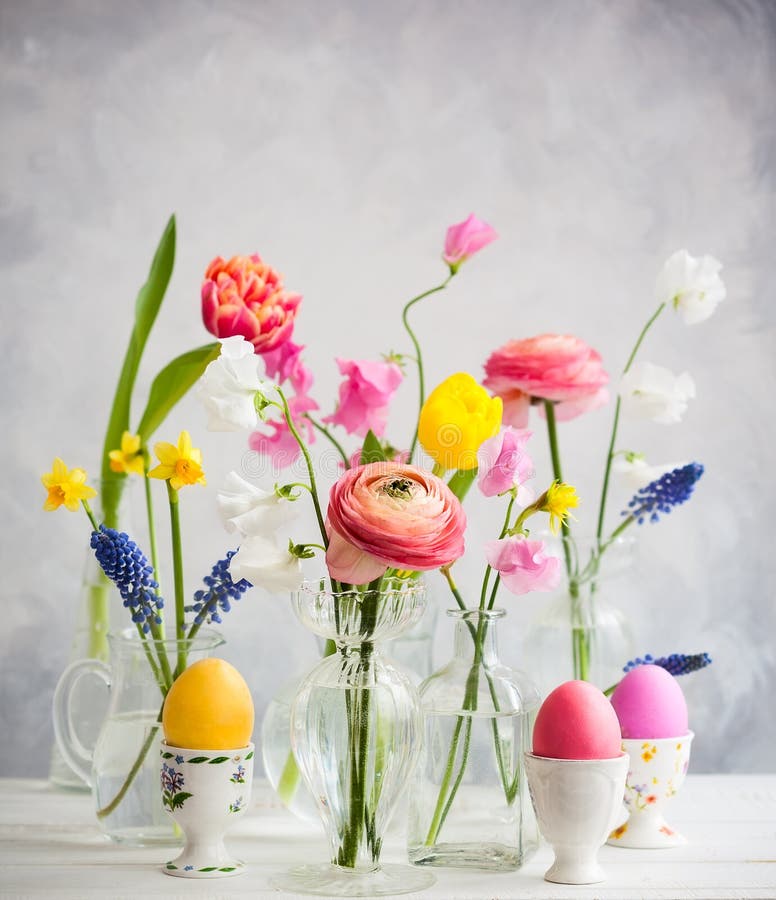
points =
(339, 139)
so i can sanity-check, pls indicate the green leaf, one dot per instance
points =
(461, 481)
(199, 759)
(149, 300)
(218, 759)
(250, 755)
(208, 869)
(179, 799)
(172, 383)
(227, 868)
(171, 866)
(167, 755)
(372, 449)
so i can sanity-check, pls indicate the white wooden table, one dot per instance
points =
(50, 846)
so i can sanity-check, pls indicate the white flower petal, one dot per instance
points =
(653, 392)
(637, 473)
(229, 385)
(249, 509)
(692, 285)
(266, 565)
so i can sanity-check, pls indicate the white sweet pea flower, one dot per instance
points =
(251, 510)
(652, 392)
(637, 473)
(692, 285)
(229, 385)
(260, 561)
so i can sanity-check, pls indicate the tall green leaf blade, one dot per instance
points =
(172, 383)
(149, 299)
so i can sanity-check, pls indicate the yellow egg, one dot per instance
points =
(208, 707)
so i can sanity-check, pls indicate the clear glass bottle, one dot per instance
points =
(582, 633)
(469, 805)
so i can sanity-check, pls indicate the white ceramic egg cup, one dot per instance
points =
(205, 791)
(657, 770)
(577, 801)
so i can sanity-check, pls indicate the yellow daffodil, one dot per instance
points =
(457, 417)
(557, 500)
(179, 465)
(65, 486)
(129, 458)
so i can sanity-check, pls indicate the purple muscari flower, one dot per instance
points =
(127, 567)
(220, 590)
(663, 494)
(676, 663)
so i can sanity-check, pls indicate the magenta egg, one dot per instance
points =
(650, 704)
(576, 721)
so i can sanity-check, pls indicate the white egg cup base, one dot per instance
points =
(205, 791)
(657, 771)
(577, 801)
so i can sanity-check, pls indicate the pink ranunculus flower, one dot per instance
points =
(285, 364)
(465, 239)
(504, 463)
(524, 565)
(246, 296)
(281, 445)
(555, 367)
(387, 514)
(365, 395)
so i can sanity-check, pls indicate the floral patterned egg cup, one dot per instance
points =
(657, 770)
(205, 791)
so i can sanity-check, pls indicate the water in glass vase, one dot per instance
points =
(469, 806)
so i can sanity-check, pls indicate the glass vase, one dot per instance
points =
(355, 732)
(583, 634)
(100, 609)
(469, 805)
(122, 768)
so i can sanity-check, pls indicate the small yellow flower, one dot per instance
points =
(557, 500)
(65, 486)
(458, 416)
(179, 465)
(128, 459)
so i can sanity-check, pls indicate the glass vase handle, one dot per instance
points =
(78, 757)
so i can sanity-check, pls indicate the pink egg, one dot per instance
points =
(576, 721)
(650, 704)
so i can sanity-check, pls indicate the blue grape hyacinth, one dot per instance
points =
(675, 664)
(128, 568)
(663, 494)
(209, 604)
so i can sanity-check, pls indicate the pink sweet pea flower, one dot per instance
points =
(280, 445)
(390, 515)
(465, 239)
(285, 364)
(246, 296)
(553, 367)
(504, 463)
(364, 395)
(524, 565)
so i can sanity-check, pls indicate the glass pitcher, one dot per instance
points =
(122, 769)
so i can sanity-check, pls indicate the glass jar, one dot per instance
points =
(469, 806)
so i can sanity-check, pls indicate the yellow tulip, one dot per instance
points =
(458, 416)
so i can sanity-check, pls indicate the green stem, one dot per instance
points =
(330, 437)
(615, 424)
(107, 810)
(177, 567)
(488, 569)
(418, 353)
(310, 469)
(151, 523)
